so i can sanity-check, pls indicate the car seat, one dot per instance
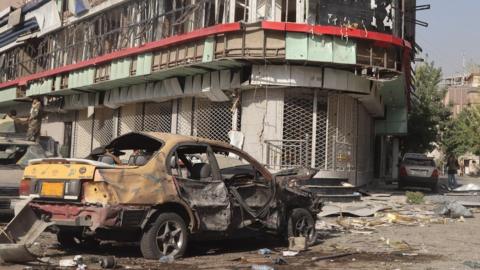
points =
(201, 171)
(106, 159)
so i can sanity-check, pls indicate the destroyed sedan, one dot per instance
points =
(164, 190)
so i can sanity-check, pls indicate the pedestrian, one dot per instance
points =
(35, 121)
(452, 168)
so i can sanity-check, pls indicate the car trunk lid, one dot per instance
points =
(60, 178)
(419, 171)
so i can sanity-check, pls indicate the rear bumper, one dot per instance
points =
(418, 181)
(78, 215)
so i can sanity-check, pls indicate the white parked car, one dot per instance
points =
(418, 170)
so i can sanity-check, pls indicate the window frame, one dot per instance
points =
(216, 176)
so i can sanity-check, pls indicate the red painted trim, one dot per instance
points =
(170, 41)
(278, 26)
(205, 32)
(335, 31)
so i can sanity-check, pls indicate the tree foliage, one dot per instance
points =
(428, 115)
(461, 134)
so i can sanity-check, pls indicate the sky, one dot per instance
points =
(452, 33)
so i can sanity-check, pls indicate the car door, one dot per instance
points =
(249, 183)
(200, 185)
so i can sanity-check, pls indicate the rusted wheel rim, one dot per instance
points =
(303, 228)
(169, 238)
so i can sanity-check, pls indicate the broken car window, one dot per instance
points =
(234, 168)
(19, 154)
(133, 149)
(191, 162)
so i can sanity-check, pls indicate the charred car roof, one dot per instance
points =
(154, 140)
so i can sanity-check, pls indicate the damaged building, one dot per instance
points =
(317, 83)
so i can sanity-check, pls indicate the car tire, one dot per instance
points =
(302, 224)
(74, 240)
(172, 228)
(401, 186)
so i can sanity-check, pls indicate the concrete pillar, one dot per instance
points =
(383, 157)
(395, 156)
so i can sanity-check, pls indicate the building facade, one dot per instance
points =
(462, 91)
(317, 83)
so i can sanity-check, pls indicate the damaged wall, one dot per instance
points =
(262, 119)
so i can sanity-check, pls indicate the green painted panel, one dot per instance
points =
(40, 88)
(8, 94)
(344, 51)
(81, 78)
(219, 65)
(120, 69)
(296, 46)
(209, 50)
(144, 64)
(320, 48)
(393, 92)
(395, 122)
(58, 82)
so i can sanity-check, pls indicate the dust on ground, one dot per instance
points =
(444, 245)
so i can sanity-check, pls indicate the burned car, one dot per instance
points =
(167, 190)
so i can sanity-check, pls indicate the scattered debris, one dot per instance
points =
(261, 267)
(409, 254)
(472, 264)
(359, 209)
(289, 253)
(415, 197)
(108, 262)
(334, 256)
(297, 243)
(167, 259)
(454, 210)
(469, 204)
(468, 187)
(456, 194)
(399, 245)
(67, 263)
(346, 184)
(279, 261)
(264, 251)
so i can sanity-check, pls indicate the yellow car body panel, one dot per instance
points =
(59, 171)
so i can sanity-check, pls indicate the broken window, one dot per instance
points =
(133, 149)
(290, 10)
(241, 10)
(371, 15)
(250, 187)
(191, 162)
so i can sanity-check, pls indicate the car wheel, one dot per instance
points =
(74, 240)
(302, 224)
(166, 236)
(400, 185)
